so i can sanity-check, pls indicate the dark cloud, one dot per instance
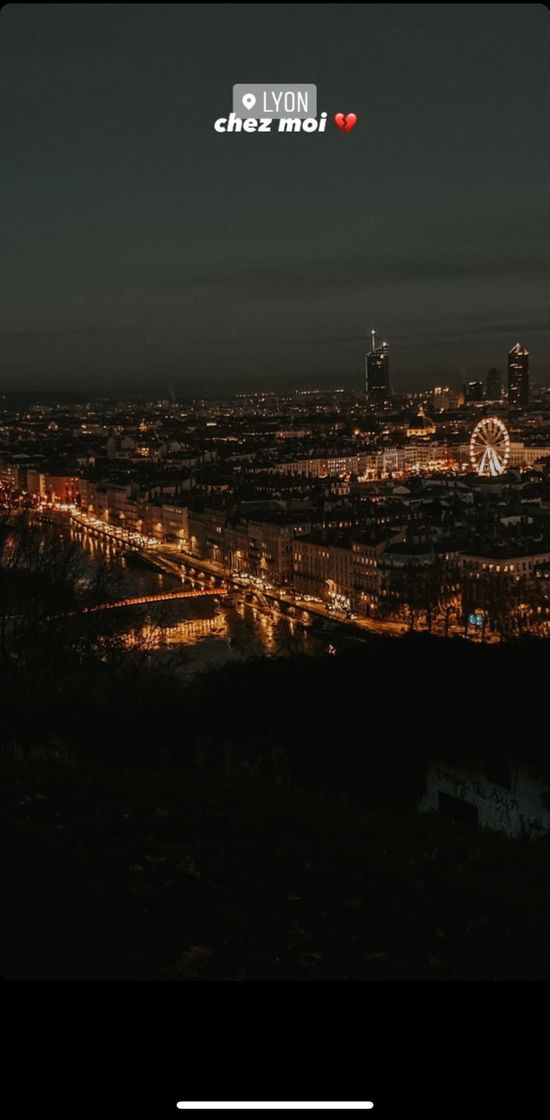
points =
(136, 239)
(354, 272)
(65, 332)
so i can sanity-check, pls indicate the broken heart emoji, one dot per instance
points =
(345, 121)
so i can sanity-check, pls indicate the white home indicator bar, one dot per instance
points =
(276, 1104)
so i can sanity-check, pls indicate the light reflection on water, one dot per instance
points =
(195, 634)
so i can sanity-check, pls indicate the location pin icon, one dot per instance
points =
(249, 100)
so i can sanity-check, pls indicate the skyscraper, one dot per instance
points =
(378, 372)
(494, 386)
(518, 377)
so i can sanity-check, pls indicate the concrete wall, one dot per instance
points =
(518, 811)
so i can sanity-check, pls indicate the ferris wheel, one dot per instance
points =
(490, 447)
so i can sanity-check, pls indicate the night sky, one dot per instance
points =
(142, 249)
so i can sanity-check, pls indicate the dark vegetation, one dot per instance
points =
(260, 822)
(125, 874)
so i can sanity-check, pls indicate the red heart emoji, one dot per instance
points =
(345, 121)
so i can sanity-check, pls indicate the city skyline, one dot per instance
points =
(376, 372)
(144, 249)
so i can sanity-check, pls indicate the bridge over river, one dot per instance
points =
(166, 596)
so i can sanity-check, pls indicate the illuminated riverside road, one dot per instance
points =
(173, 560)
(287, 597)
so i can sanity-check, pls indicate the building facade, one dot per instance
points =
(493, 391)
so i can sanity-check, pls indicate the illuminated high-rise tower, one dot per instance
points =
(518, 377)
(378, 372)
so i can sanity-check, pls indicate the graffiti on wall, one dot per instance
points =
(504, 807)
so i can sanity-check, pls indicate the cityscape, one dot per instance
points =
(275, 496)
(391, 512)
